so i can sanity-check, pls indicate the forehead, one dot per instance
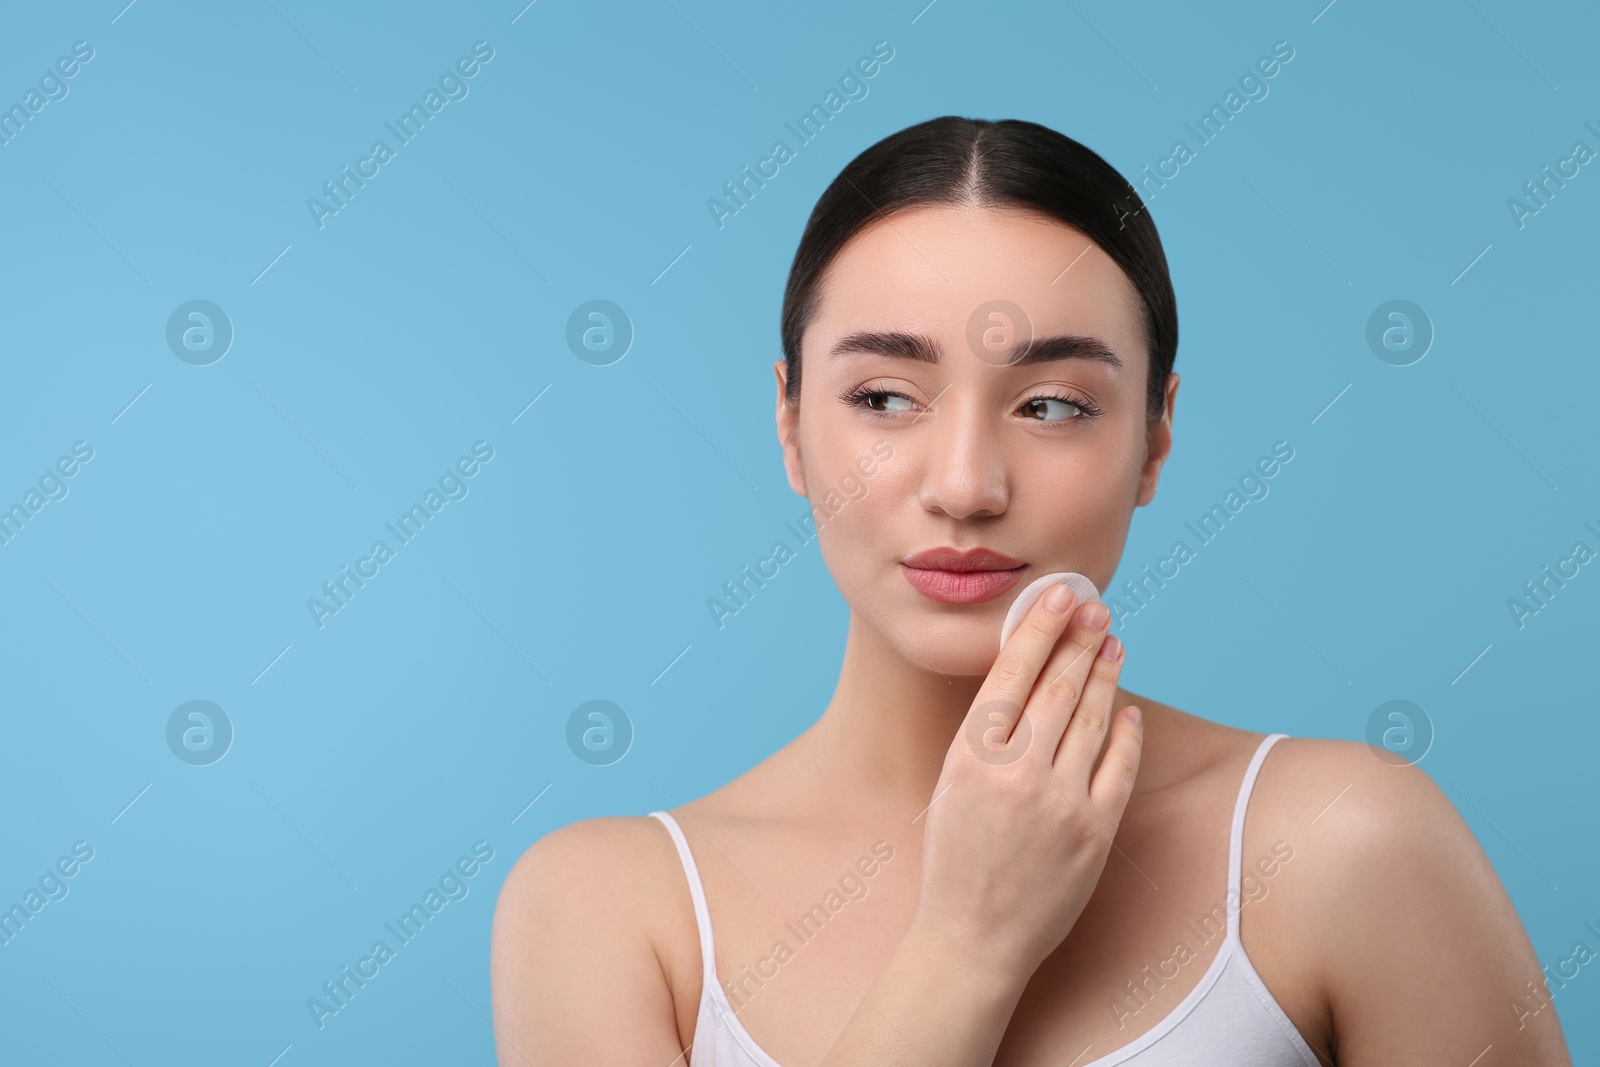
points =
(931, 266)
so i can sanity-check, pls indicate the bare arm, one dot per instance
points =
(1426, 959)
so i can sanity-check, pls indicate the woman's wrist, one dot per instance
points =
(962, 956)
(934, 993)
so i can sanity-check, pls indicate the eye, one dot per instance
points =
(868, 398)
(1039, 406)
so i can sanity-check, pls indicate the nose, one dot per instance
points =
(963, 464)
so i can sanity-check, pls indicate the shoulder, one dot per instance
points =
(575, 870)
(1356, 789)
(577, 924)
(589, 841)
(1370, 823)
(1405, 925)
(1347, 789)
(1346, 798)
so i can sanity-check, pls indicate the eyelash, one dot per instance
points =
(1088, 410)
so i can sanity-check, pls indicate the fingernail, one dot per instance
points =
(1057, 598)
(1096, 614)
(1111, 648)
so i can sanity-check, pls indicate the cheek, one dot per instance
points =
(854, 508)
(1076, 506)
(833, 440)
(857, 530)
(1115, 463)
(1079, 485)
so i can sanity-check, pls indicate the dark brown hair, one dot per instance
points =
(954, 160)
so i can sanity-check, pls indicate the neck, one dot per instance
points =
(891, 720)
(884, 736)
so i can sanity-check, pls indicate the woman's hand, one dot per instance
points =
(1018, 832)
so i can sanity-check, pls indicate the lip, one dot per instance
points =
(945, 558)
(950, 576)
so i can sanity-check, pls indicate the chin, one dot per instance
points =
(953, 649)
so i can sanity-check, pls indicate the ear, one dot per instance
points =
(788, 418)
(1158, 445)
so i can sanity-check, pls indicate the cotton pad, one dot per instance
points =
(1082, 586)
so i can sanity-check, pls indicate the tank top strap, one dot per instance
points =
(1236, 834)
(702, 914)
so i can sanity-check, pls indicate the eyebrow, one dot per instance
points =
(899, 345)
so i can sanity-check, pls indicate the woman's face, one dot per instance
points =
(918, 428)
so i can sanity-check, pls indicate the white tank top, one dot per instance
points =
(1230, 1017)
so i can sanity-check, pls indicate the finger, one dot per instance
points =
(1058, 692)
(992, 721)
(1113, 782)
(1075, 754)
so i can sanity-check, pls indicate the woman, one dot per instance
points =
(984, 853)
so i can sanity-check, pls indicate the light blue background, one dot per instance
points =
(431, 310)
